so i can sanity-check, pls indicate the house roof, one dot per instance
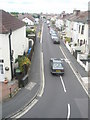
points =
(29, 16)
(83, 17)
(8, 22)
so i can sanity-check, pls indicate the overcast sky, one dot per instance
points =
(45, 6)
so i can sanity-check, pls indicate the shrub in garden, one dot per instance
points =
(67, 39)
(23, 61)
(30, 31)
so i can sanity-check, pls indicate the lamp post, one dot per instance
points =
(11, 57)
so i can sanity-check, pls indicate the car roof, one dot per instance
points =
(56, 59)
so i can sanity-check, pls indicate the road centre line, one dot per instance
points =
(68, 115)
(75, 72)
(63, 84)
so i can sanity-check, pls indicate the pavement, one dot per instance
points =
(26, 94)
(83, 75)
(30, 91)
(80, 71)
(8, 90)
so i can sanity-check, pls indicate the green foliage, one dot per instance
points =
(68, 39)
(75, 44)
(89, 56)
(16, 60)
(22, 13)
(36, 15)
(53, 22)
(15, 14)
(23, 61)
(44, 17)
(30, 31)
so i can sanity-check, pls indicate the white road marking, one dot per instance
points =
(43, 79)
(63, 84)
(27, 108)
(24, 111)
(67, 61)
(30, 85)
(75, 73)
(79, 79)
(63, 52)
(68, 115)
(42, 84)
(41, 35)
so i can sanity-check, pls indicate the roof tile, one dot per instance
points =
(8, 22)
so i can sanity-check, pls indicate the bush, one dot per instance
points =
(53, 22)
(89, 56)
(75, 44)
(30, 31)
(23, 61)
(68, 39)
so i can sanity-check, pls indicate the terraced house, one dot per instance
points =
(13, 42)
(77, 29)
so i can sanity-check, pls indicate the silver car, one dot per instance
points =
(55, 39)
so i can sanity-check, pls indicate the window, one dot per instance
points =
(1, 69)
(82, 32)
(80, 42)
(84, 41)
(79, 28)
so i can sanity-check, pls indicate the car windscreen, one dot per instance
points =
(57, 65)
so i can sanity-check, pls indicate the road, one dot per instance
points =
(64, 96)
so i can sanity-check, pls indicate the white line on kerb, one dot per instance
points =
(41, 35)
(43, 80)
(63, 52)
(68, 115)
(20, 114)
(63, 84)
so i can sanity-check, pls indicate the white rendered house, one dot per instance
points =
(13, 42)
(28, 21)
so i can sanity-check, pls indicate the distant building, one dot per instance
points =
(36, 21)
(27, 18)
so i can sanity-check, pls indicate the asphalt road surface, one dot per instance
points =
(64, 96)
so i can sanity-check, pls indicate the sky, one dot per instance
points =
(45, 6)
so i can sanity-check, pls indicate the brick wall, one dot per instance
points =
(5, 89)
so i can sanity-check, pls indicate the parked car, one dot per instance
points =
(48, 25)
(51, 31)
(53, 36)
(56, 40)
(56, 66)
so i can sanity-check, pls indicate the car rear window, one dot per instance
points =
(57, 65)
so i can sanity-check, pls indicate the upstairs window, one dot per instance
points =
(79, 28)
(82, 31)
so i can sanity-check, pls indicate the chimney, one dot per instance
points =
(76, 12)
